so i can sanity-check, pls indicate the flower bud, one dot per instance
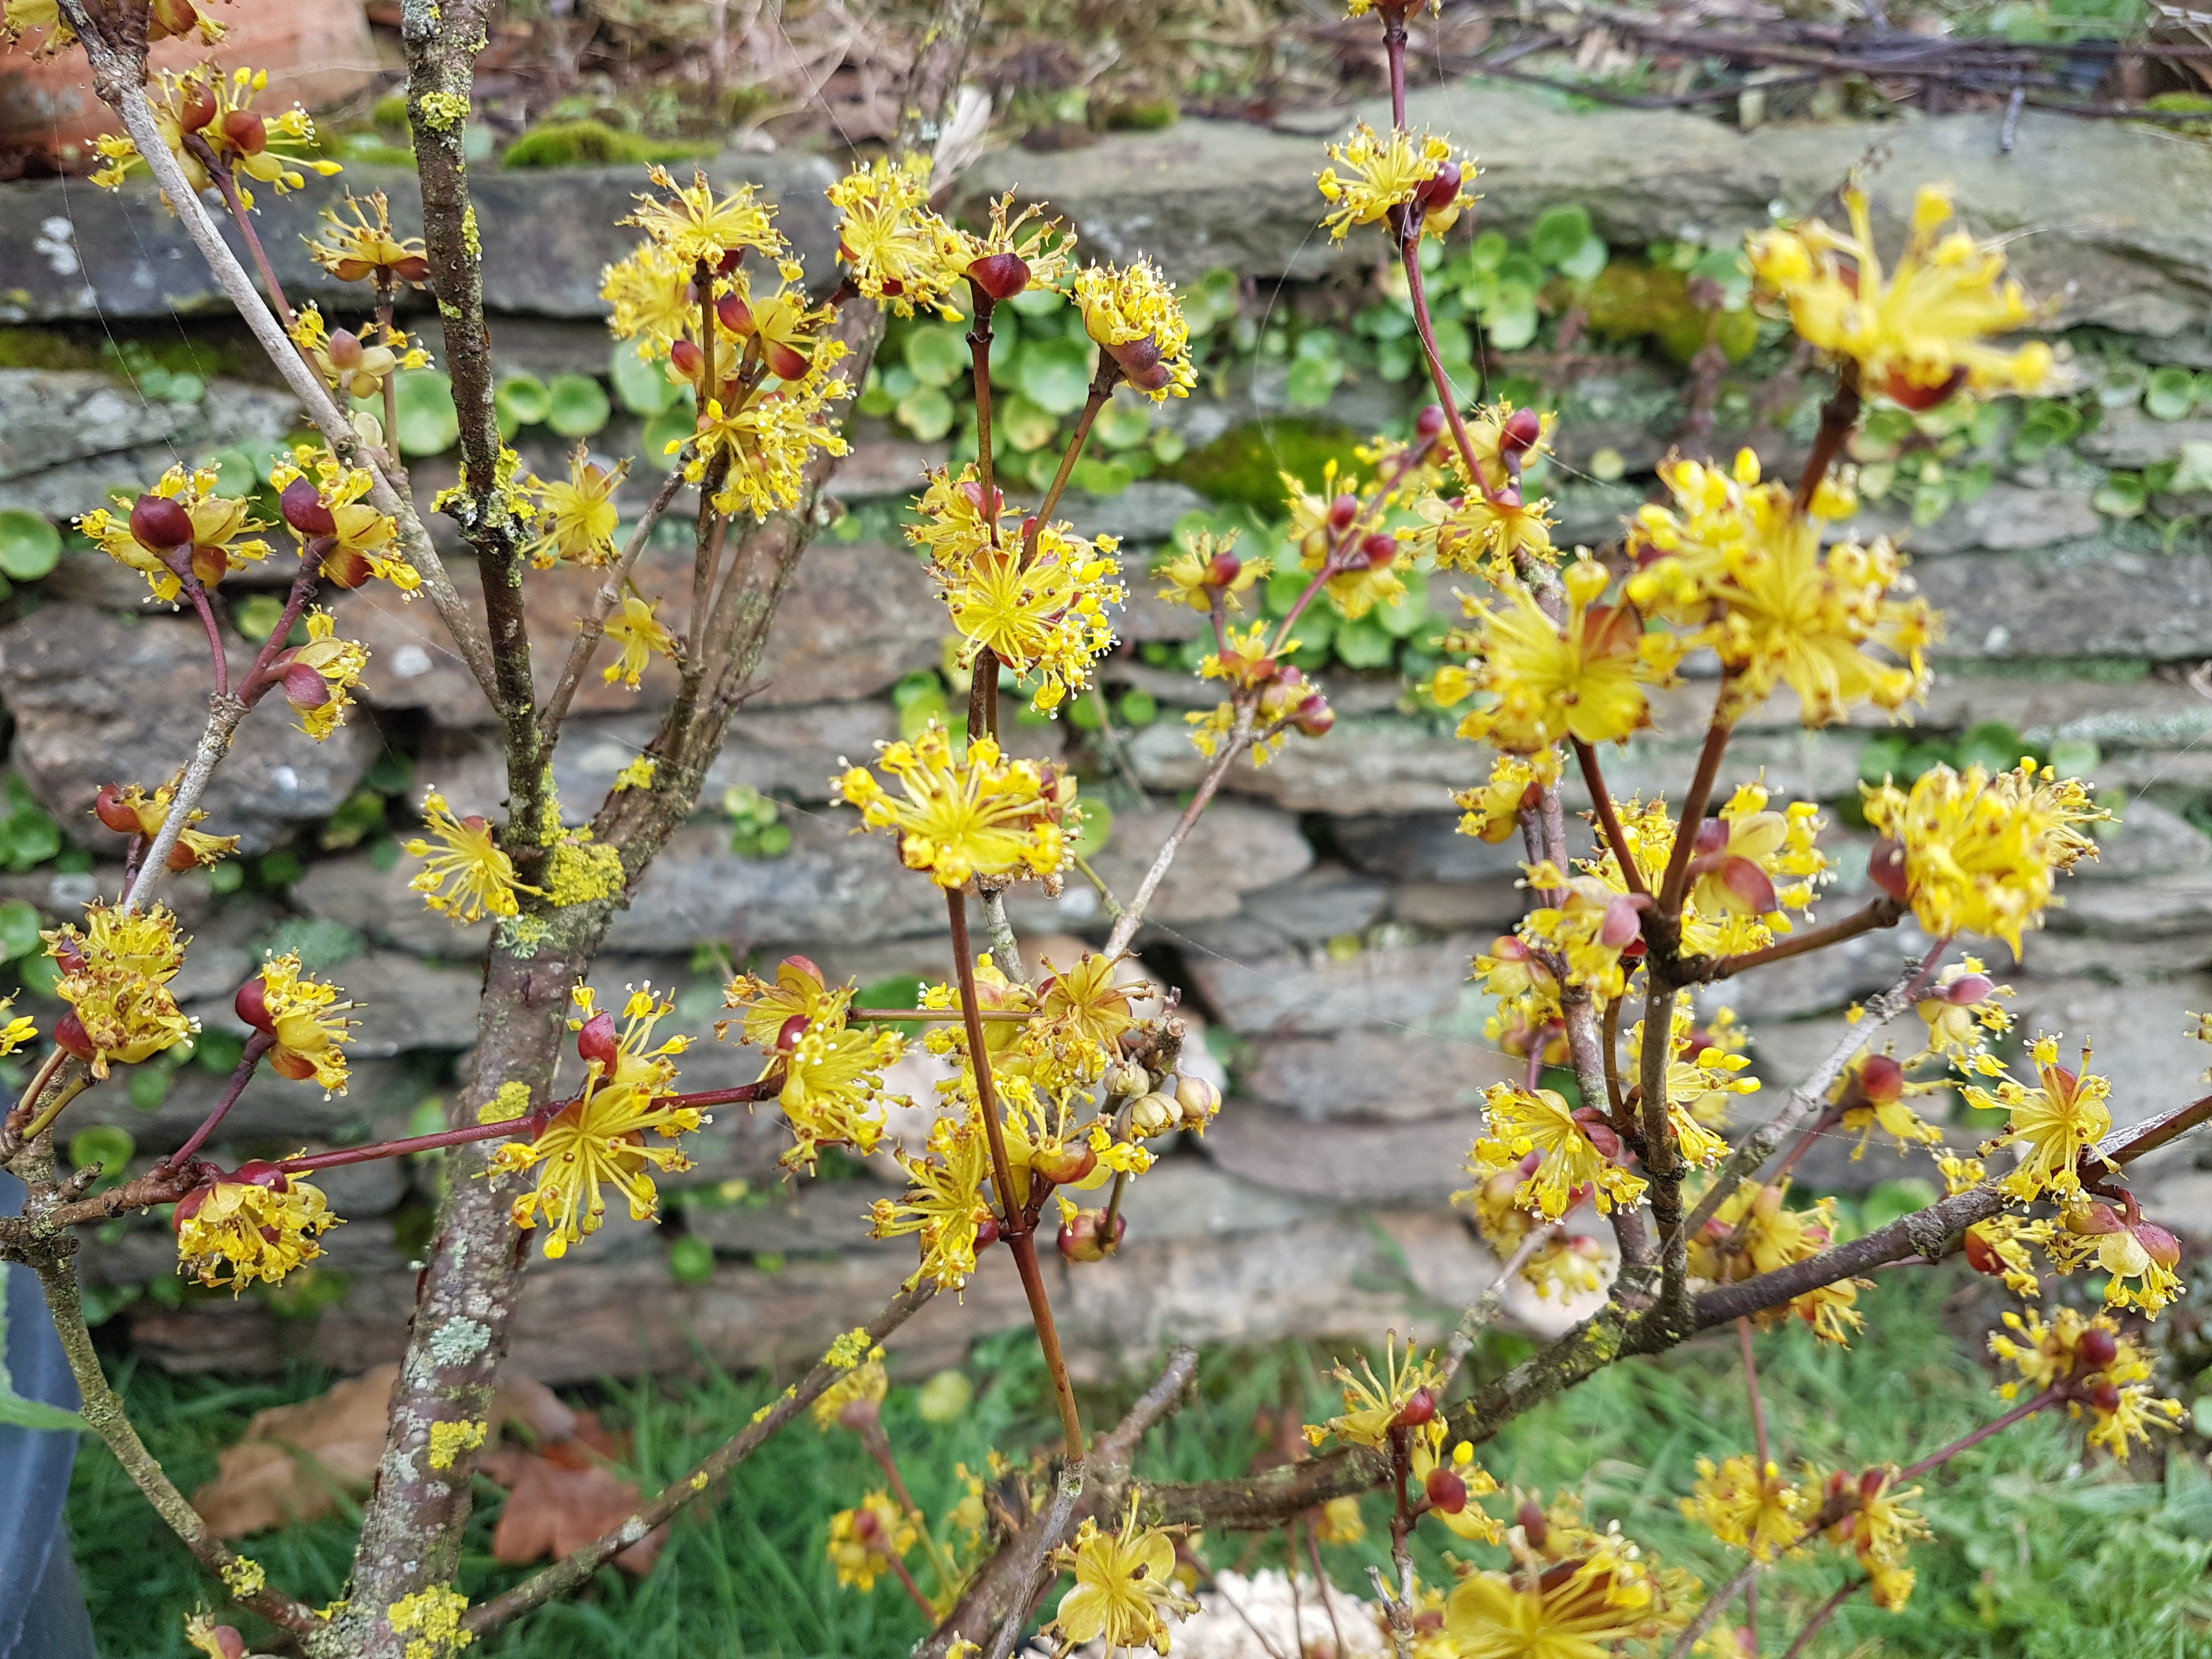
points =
(1713, 837)
(1429, 424)
(1523, 427)
(1885, 869)
(986, 1231)
(734, 313)
(1981, 1255)
(1315, 717)
(1435, 194)
(305, 689)
(784, 363)
(2097, 1349)
(303, 510)
(1602, 1133)
(227, 1642)
(1871, 1481)
(787, 1034)
(2106, 1396)
(2092, 1220)
(1223, 569)
(1749, 886)
(1001, 275)
(1447, 1491)
(1342, 510)
(246, 132)
(866, 1524)
(1533, 1527)
(1882, 1079)
(158, 524)
(252, 1005)
(2160, 1245)
(1154, 378)
(415, 268)
(1154, 1114)
(731, 259)
(595, 1041)
(861, 1413)
(1919, 398)
(1084, 1239)
(1199, 1099)
(199, 106)
(690, 361)
(1416, 1410)
(1378, 551)
(345, 348)
(1968, 988)
(1622, 923)
(1066, 1166)
(259, 1172)
(107, 806)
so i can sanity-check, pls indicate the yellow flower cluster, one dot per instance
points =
(600, 1138)
(324, 507)
(1755, 1230)
(1131, 312)
(864, 1542)
(902, 255)
(115, 976)
(1572, 1592)
(1517, 782)
(1385, 173)
(942, 1207)
(959, 817)
(1735, 562)
(698, 225)
(1980, 855)
(319, 677)
(2055, 1124)
(1040, 611)
(202, 104)
(217, 531)
(130, 811)
(1554, 1149)
(2104, 1372)
(307, 1018)
(831, 1071)
(261, 1224)
(1407, 1393)
(1751, 1507)
(1126, 1588)
(469, 875)
(367, 248)
(768, 439)
(1920, 332)
(574, 517)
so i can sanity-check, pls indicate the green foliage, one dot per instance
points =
(591, 143)
(30, 546)
(576, 406)
(1245, 465)
(429, 424)
(643, 386)
(29, 834)
(758, 829)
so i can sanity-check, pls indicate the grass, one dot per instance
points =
(2035, 1556)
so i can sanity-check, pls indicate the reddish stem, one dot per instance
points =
(220, 174)
(1818, 1621)
(979, 352)
(906, 1577)
(197, 594)
(1757, 1404)
(1838, 417)
(1692, 817)
(263, 674)
(1937, 1459)
(1609, 817)
(256, 1046)
(1884, 912)
(1409, 255)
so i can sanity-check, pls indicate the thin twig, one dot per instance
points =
(1818, 1621)
(1132, 913)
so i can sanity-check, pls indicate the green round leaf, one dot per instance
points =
(1511, 322)
(775, 840)
(1362, 644)
(1584, 264)
(1099, 477)
(1005, 345)
(692, 1260)
(1169, 446)
(2123, 496)
(1400, 619)
(1055, 374)
(1993, 745)
(935, 354)
(524, 398)
(429, 424)
(1311, 381)
(1038, 302)
(1560, 233)
(577, 406)
(1022, 426)
(672, 425)
(1882, 757)
(19, 929)
(1124, 421)
(108, 1144)
(1092, 835)
(1138, 708)
(927, 412)
(30, 546)
(2076, 757)
(1083, 713)
(644, 387)
(2171, 392)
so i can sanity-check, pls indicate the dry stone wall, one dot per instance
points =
(1320, 920)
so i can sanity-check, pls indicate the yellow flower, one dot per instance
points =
(1336, 531)
(1207, 567)
(576, 517)
(1046, 248)
(115, 976)
(2138, 1257)
(1403, 1397)
(261, 1223)
(1589, 929)
(833, 1084)
(1467, 1520)
(642, 635)
(1963, 1010)
(305, 1019)
(961, 817)
(1132, 313)
(896, 252)
(1124, 1587)
(599, 1140)
(248, 144)
(14, 1032)
(367, 248)
(1881, 1526)
(695, 224)
(129, 811)
(1578, 1609)
(469, 875)
(1083, 1013)
(864, 1540)
(1919, 333)
(768, 438)
(1383, 173)
(1755, 1231)
(1974, 854)
(1493, 813)
(1584, 678)
(319, 677)
(798, 993)
(1750, 1507)
(1569, 1166)
(212, 535)
(653, 297)
(943, 1205)
(1340, 1521)
(2055, 1124)
(1041, 614)
(356, 364)
(326, 509)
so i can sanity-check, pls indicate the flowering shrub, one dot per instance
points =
(1057, 1085)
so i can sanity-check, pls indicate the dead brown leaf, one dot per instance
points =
(554, 1508)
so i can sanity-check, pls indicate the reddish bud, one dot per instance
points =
(1084, 1238)
(1981, 1255)
(786, 364)
(285, 1063)
(1416, 1410)
(1315, 717)
(1429, 424)
(1134, 357)
(1602, 1133)
(345, 349)
(1001, 275)
(1342, 510)
(1223, 568)
(2097, 1349)
(1435, 194)
(227, 1642)
(986, 1231)
(866, 1525)
(246, 132)
(2106, 1396)
(690, 361)
(198, 108)
(1523, 427)
(346, 568)
(787, 1034)
(1885, 869)
(1918, 397)
(1882, 1079)
(595, 1040)
(734, 313)
(259, 1172)
(70, 1034)
(861, 1413)
(1377, 551)
(1871, 1485)
(415, 268)
(1749, 886)
(1712, 837)
(1154, 378)
(252, 1005)
(1623, 922)
(303, 510)
(1533, 1527)
(304, 688)
(158, 524)
(1968, 988)
(1447, 1491)
(1066, 1166)
(731, 259)
(2094, 1221)
(2160, 1245)
(107, 806)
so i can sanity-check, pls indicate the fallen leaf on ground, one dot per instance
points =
(555, 1507)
